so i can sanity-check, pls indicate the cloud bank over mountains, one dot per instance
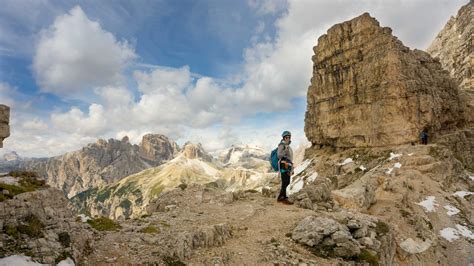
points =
(112, 94)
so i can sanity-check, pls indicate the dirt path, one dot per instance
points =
(260, 228)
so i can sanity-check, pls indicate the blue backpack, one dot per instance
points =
(274, 159)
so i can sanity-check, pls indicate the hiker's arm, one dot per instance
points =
(280, 151)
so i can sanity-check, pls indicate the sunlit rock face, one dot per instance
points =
(453, 46)
(370, 90)
(4, 123)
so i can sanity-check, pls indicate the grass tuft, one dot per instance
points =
(150, 230)
(381, 228)
(365, 255)
(104, 224)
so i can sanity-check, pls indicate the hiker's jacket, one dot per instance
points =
(285, 152)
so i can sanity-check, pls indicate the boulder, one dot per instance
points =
(311, 230)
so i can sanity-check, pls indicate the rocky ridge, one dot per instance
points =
(130, 196)
(4, 123)
(101, 163)
(369, 90)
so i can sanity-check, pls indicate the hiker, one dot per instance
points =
(424, 137)
(285, 162)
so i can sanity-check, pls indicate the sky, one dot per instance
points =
(217, 72)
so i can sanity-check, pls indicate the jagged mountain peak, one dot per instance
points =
(242, 152)
(101, 163)
(195, 151)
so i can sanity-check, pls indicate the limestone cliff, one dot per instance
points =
(453, 46)
(102, 162)
(369, 90)
(372, 96)
(4, 123)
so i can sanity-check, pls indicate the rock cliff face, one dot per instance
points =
(369, 90)
(454, 47)
(371, 95)
(102, 163)
(4, 121)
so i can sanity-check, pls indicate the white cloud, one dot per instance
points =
(75, 54)
(6, 94)
(265, 7)
(186, 106)
(35, 124)
(163, 80)
(75, 121)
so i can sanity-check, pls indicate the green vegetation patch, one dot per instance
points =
(367, 256)
(139, 201)
(172, 261)
(82, 196)
(126, 204)
(32, 226)
(150, 230)
(212, 185)
(124, 189)
(28, 181)
(104, 194)
(13, 190)
(11, 231)
(156, 189)
(381, 228)
(104, 224)
(404, 213)
(64, 239)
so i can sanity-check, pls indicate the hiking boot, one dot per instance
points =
(287, 202)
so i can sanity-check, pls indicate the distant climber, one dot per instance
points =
(285, 159)
(424, 137)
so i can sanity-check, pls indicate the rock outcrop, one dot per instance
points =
(195, 151)
(4, 123)
(454, 47)
(41, 225)
(155, 147)
(102, 163)
(348, 236)
(369, 90)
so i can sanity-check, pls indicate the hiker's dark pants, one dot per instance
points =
(285, 181)
(424, 141)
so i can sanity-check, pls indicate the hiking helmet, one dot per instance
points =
(285, 133)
